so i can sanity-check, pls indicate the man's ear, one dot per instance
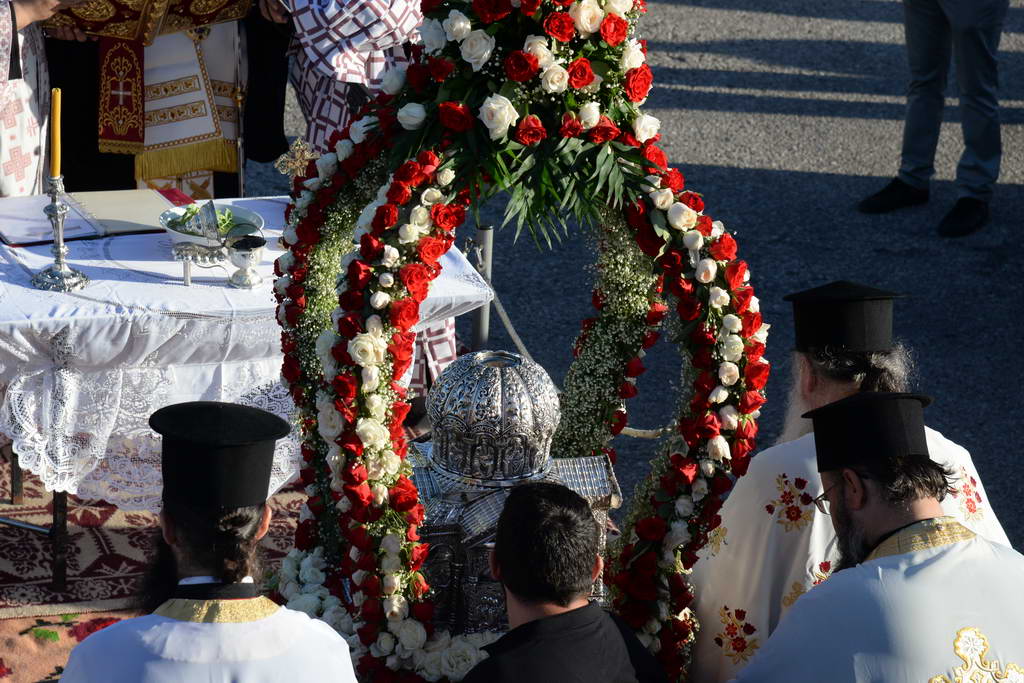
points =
(806, 377)
(855, 492)
(492, 560)
(264, 526)
(595, 572)
(167, 529)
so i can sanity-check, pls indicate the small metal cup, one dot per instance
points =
(246, 253)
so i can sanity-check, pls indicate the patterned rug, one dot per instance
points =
(108, 552)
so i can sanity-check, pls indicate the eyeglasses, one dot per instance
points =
(821, 502)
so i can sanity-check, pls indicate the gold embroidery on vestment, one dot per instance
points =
(971, 646)
(794, 594)
(929, 533)
(218, 611)
(716, 540)
(181, 112)
(736, 637)
(173, 88)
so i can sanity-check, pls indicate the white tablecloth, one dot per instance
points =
(80, 373)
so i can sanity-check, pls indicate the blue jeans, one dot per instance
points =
(967, 31)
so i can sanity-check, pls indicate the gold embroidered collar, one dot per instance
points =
(928, 533)
(218, 611)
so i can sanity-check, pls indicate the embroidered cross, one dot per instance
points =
(10, 114)
(293, 163)
(17, 164)
(121, 92)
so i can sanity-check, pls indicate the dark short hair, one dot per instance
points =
(546, 544)
(905, 479)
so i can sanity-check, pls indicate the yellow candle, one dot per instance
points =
(55, 132)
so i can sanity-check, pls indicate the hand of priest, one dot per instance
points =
(69, 33)
(273, 10)
(27, 12)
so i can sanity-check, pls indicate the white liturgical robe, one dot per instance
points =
(249, 640)
(934, 603)
(773, 546)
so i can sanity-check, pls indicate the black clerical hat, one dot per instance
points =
(869, 426)
(843, 315)
(217, 455)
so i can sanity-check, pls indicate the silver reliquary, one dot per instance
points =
(493, 415)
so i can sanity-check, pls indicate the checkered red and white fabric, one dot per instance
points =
(23, 106)
(344, 44)
(435, 350)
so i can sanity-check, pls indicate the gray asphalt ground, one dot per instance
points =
(785, 113)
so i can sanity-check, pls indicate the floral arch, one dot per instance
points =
(539, 99)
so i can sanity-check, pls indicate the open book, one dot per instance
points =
(90, 215)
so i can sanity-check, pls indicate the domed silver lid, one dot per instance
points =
(493, 415)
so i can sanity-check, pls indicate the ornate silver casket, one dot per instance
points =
(493, 415)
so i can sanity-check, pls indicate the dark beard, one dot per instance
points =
(160, 579)
(853, 547)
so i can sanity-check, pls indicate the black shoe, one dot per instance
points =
(896, 195)
(967, 216)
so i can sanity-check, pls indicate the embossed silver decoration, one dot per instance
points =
(246, 258)
(493, 415)
(59, 277)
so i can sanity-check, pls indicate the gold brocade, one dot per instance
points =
(929, 533)
(218, 611)
(212, 155)
(172, 88)
(971, 646)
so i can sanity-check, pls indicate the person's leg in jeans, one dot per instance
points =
(977, 26)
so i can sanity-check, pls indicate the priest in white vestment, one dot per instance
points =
(773, 545)
(215, 628)
(918, 596)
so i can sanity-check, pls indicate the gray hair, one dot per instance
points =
(871, 371)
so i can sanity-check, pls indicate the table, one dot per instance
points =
(81, 372)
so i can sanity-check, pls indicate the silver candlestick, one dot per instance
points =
(58, 277)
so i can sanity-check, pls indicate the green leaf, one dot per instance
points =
(68, 617)
(45, 634)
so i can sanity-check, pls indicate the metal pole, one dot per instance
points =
(482, 315)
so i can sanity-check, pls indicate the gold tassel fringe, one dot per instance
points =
(121, 147)
(210, 155)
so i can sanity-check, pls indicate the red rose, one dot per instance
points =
(416, 277)
(455, 116)
(638, 83)
(604, 131)
(635, 368)
(560, 26)
(642, 588)
(370, 247)
(657, 157)
(618, 423)
(353, 299)
(734, 273)
(656, 313)
(368, 633)
(521, 66)
(580, 74)
(613, 29)
(747, 429)
(305, 534)
(704, 225)
(741, 299)
(403, 495)
(673, 179)
(724, 249)
(627, 390)
(345, 386)
(399, 194)
(491, 11)
(692, 200)
(651, 528)
(386, 216)
(428, 6)
(447, 216)
(422, 611)
(649, 241)
(87, 628)
(400, 348)
(431, 249)
(418, 555)
(408, 172)
(628, 138)
(530, 131)
(350, 324)
(751, 401)
(440, 68)
(756, 374)
(416, 517)
(404, 313)
(529, 7)
(571, 126)
(688, 308)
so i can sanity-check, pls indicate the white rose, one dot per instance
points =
(326, 165)
(281, 284)
(429, 665)
(335, 618)
(645, 127)
(555, 79)
(290, 235)
(539, 47)
(651, 183)
(379, 300)
(620, 7)
(330, 424)
(431, 196)
(370, 379)
(730, 417)
(394, 80)
(390, 257)
(682, 217)
(409, 233)
(732, 348)
(420, 217)
(707, 467)
(477, 48)
(344, 149)
(396, 607)
(325, 342)
(632, 55)
(498, 114)
(290, 565)
(717, 228)
(311, 575)
(359, 129)
(728, 373)
(440, 641)
(286, 261)
(391, 463)
(457, 26)
(594, 85)
(372, 432)
(718, 448)
(678, 535)
(755, 305)
(684, 506)
(587, 15)
(719, 394)
(391, 563)
(663, 198)
(412, 116)
(380, 494)
(432, 34)
(367, 349)
(391, 543)
(375, 326)
(590, 114)
(312, 184)
(445, 177)
(699, 489)
(384, 646)
(732, 322)
(305, 602)
(386, 280)
(376, 406)
(457, 660)
(411, 634)
(692, 239)
(707, 269)
(304, 200)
